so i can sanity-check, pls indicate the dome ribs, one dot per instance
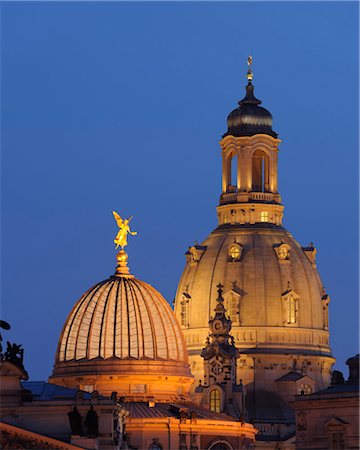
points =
(162, 344)
(76, 318)
(152, 341)
(120, 328)
(128, 355)
(92, 336)
(116, 318)
(136, 337)
(104, 329)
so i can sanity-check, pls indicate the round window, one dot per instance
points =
(234, 251)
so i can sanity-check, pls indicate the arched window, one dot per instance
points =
(215, 401)
(260, 171)
(234, 172)
(220, 446)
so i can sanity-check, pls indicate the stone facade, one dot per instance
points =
(329, 419)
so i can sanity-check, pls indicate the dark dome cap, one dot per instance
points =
(249, 118)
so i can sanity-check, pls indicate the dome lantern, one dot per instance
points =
(249, 118)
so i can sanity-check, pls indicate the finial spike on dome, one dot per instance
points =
(122, 269)
(249, 74)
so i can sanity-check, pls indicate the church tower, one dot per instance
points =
(272, 290)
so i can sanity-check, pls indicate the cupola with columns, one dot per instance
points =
(249, 165)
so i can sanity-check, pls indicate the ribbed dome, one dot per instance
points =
(121, 318)
(249, 118)
(123, 336)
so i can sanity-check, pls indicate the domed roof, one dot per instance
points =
(249, 118)
(122, 318)
(122, 328)
(267, 267)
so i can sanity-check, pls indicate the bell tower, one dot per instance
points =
(249, 165)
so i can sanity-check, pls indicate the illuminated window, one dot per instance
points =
(215, 400)
(292, 309)
(234, 252)
(283, 252)
(264, 216)
(305, 389)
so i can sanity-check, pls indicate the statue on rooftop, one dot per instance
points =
(75, 422)
(124, 229)
(91, 423)
(14, 354)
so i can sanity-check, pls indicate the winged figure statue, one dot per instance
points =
(124, 229)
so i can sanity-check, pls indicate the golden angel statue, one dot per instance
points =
(124, 230)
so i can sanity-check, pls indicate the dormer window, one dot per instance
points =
(292, 312)
(290, 307)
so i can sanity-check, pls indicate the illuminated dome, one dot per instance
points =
(120, 328)
(272, 291)
(249, 118)
(261, 267)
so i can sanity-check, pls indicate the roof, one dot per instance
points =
(41, 390)
(333, 391)
(268, 407)
(10, 435)
(142, 410)
(291, 376)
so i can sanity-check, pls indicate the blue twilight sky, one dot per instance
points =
(121, 106)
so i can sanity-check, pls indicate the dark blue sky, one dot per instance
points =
(121, 106)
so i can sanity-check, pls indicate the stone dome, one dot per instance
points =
(262, 267)
(249, 118)
(120, 327)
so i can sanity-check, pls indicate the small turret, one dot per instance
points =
(220, 392)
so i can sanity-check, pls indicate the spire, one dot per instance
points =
(249, 97)
(220, 325)
(249, 74)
